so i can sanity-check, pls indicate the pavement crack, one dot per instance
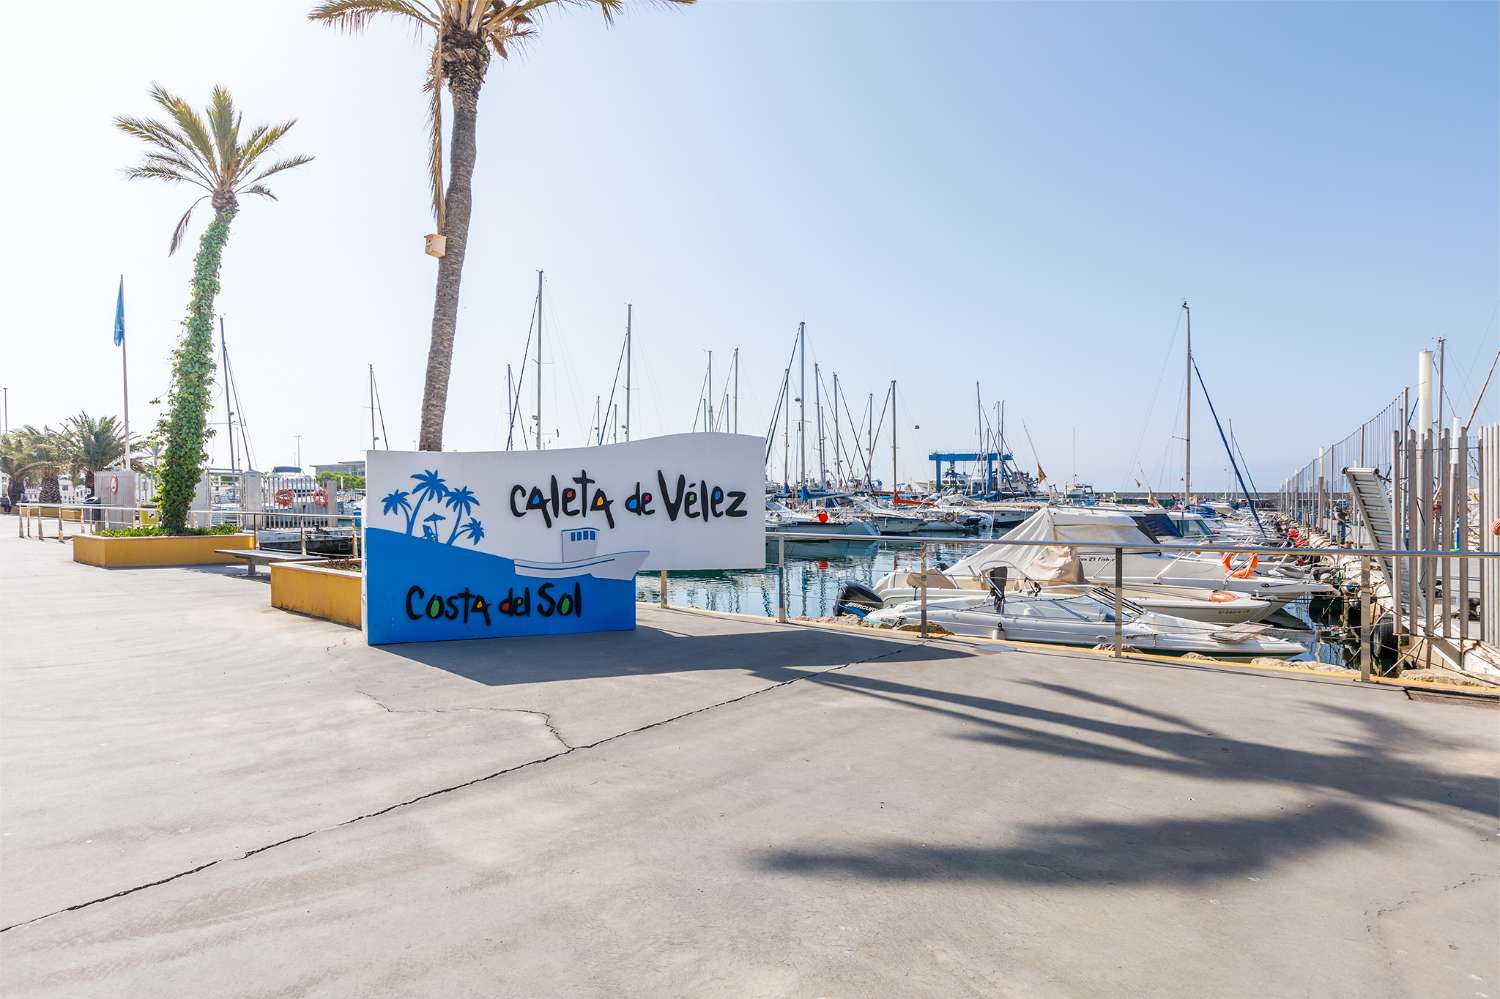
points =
(569, 750)
(544, 716)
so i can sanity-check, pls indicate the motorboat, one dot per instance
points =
(784, 520)
(1084, 619)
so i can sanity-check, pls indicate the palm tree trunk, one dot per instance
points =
(192, 382)
(456, 208)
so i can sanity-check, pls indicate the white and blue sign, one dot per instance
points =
(497, 543)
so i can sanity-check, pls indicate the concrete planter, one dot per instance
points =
(193, 549)
(317, 590)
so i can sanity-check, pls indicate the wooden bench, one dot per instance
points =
(265, 556)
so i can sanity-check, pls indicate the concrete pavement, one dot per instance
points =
(708, 806)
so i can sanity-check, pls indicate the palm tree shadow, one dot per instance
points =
(1183, 851)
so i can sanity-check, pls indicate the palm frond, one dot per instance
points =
(156, 134)
(280, 165)
(191, 126)
(260, 140)
(225, 127)
(184, 166)
(155, 172)
(261, 189)
(353, 15)
(182, 227)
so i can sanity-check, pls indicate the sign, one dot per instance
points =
(497, 543)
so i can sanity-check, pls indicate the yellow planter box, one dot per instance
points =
(316, 590)
(190, 549)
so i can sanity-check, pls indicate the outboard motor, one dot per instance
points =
(997, 578)
(856, 599)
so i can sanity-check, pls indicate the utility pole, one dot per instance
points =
(228, 408)
(1187, 440)
(539, 360)
(802, 404)
(628, 310)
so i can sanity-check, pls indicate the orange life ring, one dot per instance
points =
(1244, 572)
(1495, 527)
(284, 497)
(1222, 597)
(822, 516)
(320, 496)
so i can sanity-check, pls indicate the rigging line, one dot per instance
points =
(698, 403)
(859, 452)
(876, 440)
(560, 338)
(1156, 393)
(1234, 464)
(240, 409)
(380, 410)
(612, 385)
(515, 402)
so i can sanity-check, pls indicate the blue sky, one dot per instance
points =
(1018, 194)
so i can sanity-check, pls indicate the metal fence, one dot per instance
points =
(1314, 493)
(275, 527)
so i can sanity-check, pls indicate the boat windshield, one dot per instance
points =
(1082, 607)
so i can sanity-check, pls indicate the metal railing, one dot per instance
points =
(1365, 593)
(93, 517)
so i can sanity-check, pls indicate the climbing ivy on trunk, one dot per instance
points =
(185, 428)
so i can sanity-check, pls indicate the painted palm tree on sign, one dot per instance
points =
(429, 484)
(474, 531)
(464, 32)
(396, 500)
(208, 152)
(462, 501)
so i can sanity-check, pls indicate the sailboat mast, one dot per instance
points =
(372, 408)
(736, 390)
(893, 442)
(869, 437)
(979, 416)
(1187, 439)
(510, 409)
(538, 360)
(802, 403)
(818, 411)
(228, 408)
(708, 396)
(838, 439)
(628, 310)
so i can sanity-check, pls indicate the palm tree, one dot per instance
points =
(396, 500)
(474, 531)
(37, 452)
(463, 501)
(429, 483)
(463, 33)
(93, 444)
(206, 152)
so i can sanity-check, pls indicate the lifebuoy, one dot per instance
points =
(1495, 527)
(1244, 572)
(1222, 597)
(284, 497)
(822, 516)
(320, 496)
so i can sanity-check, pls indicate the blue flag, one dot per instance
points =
(120, 314)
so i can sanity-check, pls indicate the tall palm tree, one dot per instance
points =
(208, 152)
(463, 33)
(37, 453)
(93, 444)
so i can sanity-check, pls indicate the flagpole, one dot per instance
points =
(124, 371)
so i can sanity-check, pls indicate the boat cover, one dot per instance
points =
(1047, 565)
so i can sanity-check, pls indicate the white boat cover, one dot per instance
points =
(1095, 528)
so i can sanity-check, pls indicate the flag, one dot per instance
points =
(1041, 476)
(120, 314)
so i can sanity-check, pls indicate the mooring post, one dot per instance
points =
(302, 532)
(922, 546)
(1119, 602)
(662, 586)
(781, 579)
(1366, 630)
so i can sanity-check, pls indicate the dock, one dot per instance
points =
(234, 801)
